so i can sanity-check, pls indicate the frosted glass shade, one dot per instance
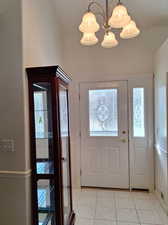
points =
(109, 40)
(89, 23)
(89, 39)
(130, 31)
(120, 17)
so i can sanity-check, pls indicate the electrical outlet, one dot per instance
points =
(7, 145)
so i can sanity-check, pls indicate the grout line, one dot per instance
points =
(139, 221)
(95, 208)
(115, 203)
(131, 197)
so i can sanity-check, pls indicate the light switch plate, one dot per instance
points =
(7, 145)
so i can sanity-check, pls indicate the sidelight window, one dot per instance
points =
(138, 112)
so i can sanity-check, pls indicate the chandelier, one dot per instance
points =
(119, 19)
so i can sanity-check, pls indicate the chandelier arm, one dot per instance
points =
(111, 6)
(99, 6)
(100, 14)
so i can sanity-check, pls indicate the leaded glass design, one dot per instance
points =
(103, 112)
(138, 112)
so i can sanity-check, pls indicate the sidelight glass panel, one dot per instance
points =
(43, 127)
(138, 112)
(103, 112)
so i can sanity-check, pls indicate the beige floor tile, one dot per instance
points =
(127, 215)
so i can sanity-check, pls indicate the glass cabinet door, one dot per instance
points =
(44, 162)
(43, 127)
(64, 127)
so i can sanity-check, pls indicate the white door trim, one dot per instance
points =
(133, 82)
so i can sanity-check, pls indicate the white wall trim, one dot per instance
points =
(162, 203)
(108, 77)
(15, 174)
(160, 149)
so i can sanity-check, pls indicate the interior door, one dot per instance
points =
(104, 134)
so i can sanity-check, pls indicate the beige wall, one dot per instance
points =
(29, 37)
(161, 74)
(13, 181)
(11, 85)
(41, 34)
(131, 56)
(42, 45)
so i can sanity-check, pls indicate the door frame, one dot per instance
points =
(132, 82)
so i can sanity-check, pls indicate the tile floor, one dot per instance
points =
(101, 207)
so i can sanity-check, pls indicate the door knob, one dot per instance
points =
(123, 140)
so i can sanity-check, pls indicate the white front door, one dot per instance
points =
(104, 134)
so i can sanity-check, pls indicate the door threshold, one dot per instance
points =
(116, 189)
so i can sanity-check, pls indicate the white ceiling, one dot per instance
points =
(147, 13)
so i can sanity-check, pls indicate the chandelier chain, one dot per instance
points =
(107, 16)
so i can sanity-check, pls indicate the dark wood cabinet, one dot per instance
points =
(50, 146)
